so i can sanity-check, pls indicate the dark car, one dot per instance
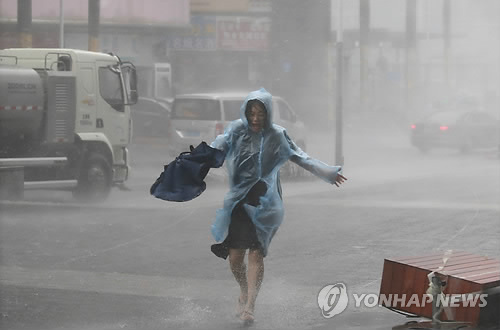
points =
(464, 130)
(150, 121)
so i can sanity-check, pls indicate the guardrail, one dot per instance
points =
(33, 162)
(12, 184)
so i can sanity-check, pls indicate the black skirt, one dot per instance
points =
(242, 233)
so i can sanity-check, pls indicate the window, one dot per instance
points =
(480, 118)
(163, 83)
(145, 81)
(232, 109)
(285, 112)
(88, 80)
(150, 118)
(149, 106)
(445, 118)
(110, 88)
(163, 87)
(64, 63)
(196, 109)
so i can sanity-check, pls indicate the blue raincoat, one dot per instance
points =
(251, 157)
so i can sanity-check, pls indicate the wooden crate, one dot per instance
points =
(464, 273)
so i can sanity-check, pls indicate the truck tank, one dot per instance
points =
(22, 101)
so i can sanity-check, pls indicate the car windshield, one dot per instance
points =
(232, 109)
(445, 117)
(196, 109)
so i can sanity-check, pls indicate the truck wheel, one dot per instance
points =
(94, 183)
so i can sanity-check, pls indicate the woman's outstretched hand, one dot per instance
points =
(340, 179)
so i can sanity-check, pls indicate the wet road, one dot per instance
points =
(134, 262)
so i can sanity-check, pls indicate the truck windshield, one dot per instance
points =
(110, 88)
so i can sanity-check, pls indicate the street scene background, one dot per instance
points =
(136, 262)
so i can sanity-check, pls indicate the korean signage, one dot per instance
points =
(202, 35)
(243, 33)
(261, 6)
(235, 6)
(224, 33)
(217, 6)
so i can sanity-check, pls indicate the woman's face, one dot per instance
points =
(256, 118)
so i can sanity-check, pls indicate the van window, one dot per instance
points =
(232, 109)
(196, 109)
(285, 112)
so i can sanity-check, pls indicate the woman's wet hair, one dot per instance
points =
(257, 103)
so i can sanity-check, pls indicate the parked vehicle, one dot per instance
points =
(150, 121)
(65, 119)
(465, 130)
(197, 117)
(155, 82)
(202, 116)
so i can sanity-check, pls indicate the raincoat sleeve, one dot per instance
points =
(223, 141)
(323, 171)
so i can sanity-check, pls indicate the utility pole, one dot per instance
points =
(94, 15)
(446, 36)
(339, 157)
(61, 23)
(24, 19)
(364, 32)
(411, 55)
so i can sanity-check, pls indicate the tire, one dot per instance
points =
(95, 179)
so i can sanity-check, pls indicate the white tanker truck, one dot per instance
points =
(64, 121)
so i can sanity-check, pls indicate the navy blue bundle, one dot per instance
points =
(182, 179)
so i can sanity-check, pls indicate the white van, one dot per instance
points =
(201, 117)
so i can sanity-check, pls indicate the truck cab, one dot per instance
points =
(86, 98)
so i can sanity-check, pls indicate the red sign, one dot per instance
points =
(243, 33)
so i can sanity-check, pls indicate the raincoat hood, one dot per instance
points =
(266, 98)
(252, 157)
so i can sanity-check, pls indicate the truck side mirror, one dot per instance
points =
(133, 97)
(130, 78)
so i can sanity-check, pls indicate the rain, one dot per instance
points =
(401, 98)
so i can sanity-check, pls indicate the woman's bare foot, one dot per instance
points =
(242, 302)
(247, 317)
